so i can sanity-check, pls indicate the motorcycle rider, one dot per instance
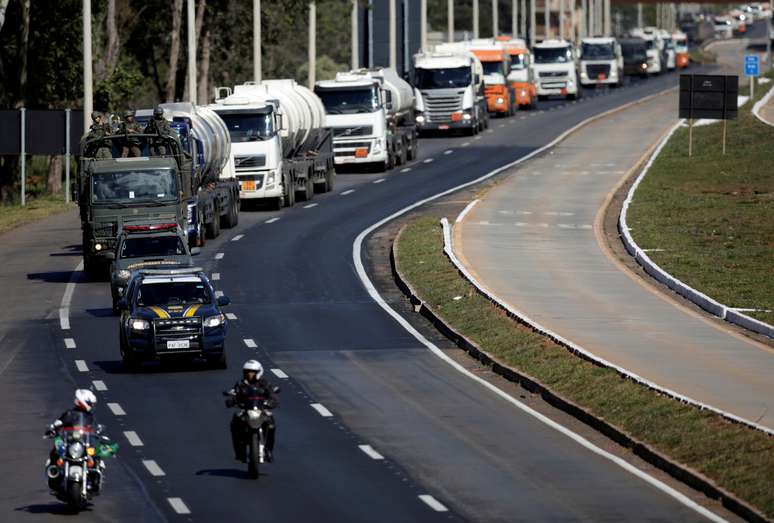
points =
(252, 381)
(80, 417)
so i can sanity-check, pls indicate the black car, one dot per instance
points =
(170, 313)
(144, 246)
(635, 56)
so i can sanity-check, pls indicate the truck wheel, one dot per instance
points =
(403, 157)
(231, 218)
(213, 228)
(330, 179)
(308, 191)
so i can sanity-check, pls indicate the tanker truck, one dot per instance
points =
(371, 112)
(281, 149)
(181, 179)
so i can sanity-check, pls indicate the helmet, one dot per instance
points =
(253, 366)
(95, 116)
(85, 399)
(158, 112)
(128, 114)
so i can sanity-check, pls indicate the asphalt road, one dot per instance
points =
(296, 296)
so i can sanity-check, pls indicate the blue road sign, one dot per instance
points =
(752, 65)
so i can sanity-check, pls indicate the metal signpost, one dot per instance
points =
(752, 69)
(23, 154)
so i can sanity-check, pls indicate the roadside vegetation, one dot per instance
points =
(699, 55)
(736, 458)
(709, 220)
(14, 215)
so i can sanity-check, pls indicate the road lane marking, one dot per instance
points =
(81, 366)
(218, 294)
(466, 144)
(310, 206)
(67, 298)
(502, 125)
(370, 452)
(477, 137)
(231, 316)
(215, 276)
(448, 151)
(99, 385)
(428, 160)
(219, 256)
(237, 237)
(133, 439)
(348, 191)
(250, 343)
(320, 408)
(69, 343)
(433, 503)
(64, 318)
(380, 180)
(466, 210)
(272, 220)
(279, 373)
(153, 468)
(178, 505)
(116, 409)
(405, 170)
(490, 131)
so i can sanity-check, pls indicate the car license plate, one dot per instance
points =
(248, 185)
(178, 344)
(443, 126)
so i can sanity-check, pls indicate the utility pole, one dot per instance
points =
(547, 19)
(639, 14)
(532, 23)
(523, 25)
(191, 34)
(608, 18)
(767, 22)
(450, 19)
(561, 19)
(355, 50)
(257, 41)
(495, 19)
(515, 18)
(393, 36)
(88, 93)
(312, 44)
(475, 19)
(584, 18)
(423, 24)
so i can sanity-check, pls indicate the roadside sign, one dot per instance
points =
(752, 65)
(708, 96)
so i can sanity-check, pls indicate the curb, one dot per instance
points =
(681, 472)
(760, 103)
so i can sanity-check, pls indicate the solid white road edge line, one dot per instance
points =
(64, 318)
(321, 410)
(81, 366)
(250, 343)
(116, 409)
(153, 468)
(133, 439)
(370, 452)
(279, 373)
(67, 298)
(369, 286)
(178, 505)
(69, 343)
(466, 210)
(433, 503)
(99, 385)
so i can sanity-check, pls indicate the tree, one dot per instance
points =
(174, 49)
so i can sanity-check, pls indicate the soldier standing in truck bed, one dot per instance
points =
(132, 146)
(159, 125)
(99, 129)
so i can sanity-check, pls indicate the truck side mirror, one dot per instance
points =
(280, 121)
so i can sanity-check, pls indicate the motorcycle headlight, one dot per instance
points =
(123, 274)
(214, 321)
(139, 324)
(75, 450)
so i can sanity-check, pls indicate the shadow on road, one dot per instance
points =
(225, 473)
(53, 508)
(53, 276)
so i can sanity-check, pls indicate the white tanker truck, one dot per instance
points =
(280, 146)
(371, 112)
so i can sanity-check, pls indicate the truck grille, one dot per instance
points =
(552, 74)
(256, 178)
(105, 229)
(246, 162)
(177, 329)
(594, 70)
(361, 130)
(440, 108)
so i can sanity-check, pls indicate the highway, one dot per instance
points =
(355, 376)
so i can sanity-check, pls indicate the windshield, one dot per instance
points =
(552, 55)
(172, 293)
(649, 44)
(152, 247)
(349, 101)
(681, 45)
(634, 52)
(493, 67)
(131, 186)
(597, 51)
(443, 78)
(518, 62)
(248, 127)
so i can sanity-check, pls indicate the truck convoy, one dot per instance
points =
(555, 68)
(521, 76)
(183, 179)
(371, 113)
(280, 145)
(495, 61)
(449, 90)
(601, 62)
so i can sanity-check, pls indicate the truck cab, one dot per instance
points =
(495, 61)
(449, 91)
(682, 59)
(601, 62)
(670, 56)
(653, 48)
(521, 76)
(555, 68)
(635, 56)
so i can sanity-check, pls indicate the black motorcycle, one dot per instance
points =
(255, 415)
(75, 475)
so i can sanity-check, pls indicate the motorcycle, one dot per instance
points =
(254, 414)
(76, 474)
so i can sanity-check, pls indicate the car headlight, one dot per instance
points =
(271, 178)
(75, 450)
(467, 116)
(214, 321)
(524, 92)
(570, 83)
(138, 324)
(500, 100)
(377, 146)
(123, 275)
(98, 247)
(420, 118)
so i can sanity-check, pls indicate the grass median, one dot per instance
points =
(14, 215)
(736, 458)
(709, 220)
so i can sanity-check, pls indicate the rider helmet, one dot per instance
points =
(158, 112)
(85, 399)
(252, 366)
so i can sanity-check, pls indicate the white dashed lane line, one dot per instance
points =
(348, 191)
(116, 409)
(218, 294)
(81, 366)
(279, 373)
(153, 468)
(133, 439)
(219, 256)
(370, 452)
(250, 343)
(272, 220)
(466, 144)
(433, 503)
(237, 237)
(178, 506)
(321, 410)
(380, 180)
(448, 151)
(310, 206)
(215, 276)
(428, 160)
(69, 343)
(231, 316)
(405, 169)
(64, 318)
(99, 385)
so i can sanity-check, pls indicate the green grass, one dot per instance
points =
(713, 215)
(702, 56)
(736, 458)
(14, 215)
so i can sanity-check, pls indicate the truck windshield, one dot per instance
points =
(492, 67)
(134, 186)
(650, 44)
(634, 52)
(172, 293)
(443, 78)
(597, 51)
(681, 46)
(518, 62)
(248, 126)
(152, 247)
(349, 101)
(552, 55)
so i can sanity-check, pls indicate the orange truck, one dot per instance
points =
(500, 95)
(521, 77)
(680, 41)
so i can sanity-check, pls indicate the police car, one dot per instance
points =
(169, 313)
